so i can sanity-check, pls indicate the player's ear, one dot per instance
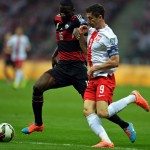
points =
(100, 17)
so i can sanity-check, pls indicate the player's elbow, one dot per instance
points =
(116, 63)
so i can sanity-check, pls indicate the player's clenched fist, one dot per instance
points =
(81, 30)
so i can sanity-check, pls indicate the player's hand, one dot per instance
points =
(90, 71)
(76, 33)
(54, 62)
(83, 29)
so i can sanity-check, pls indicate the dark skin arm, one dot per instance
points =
(79, 34)
(54, 57)
(83, 43)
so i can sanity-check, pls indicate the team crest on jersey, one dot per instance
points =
(58, 26)
(98, 37)
(66, 26)
(112, 41)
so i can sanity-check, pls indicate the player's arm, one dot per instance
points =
(54, 57)
(79, 34)
(7, 49)
(112, 62)
(28, 47)
(83, 44)
(28, 44)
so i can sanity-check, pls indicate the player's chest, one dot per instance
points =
(96, 42)
(63, 32)
(19, 41)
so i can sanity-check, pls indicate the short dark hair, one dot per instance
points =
(66, 3)
(96, 10)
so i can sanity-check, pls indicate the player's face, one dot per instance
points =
(19, 31)
(92, 20)
(66, 12)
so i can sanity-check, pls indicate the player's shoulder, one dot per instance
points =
(57, 18)
(11, 40)
(25, 37)
(108, 33)
(13, 37)
(91, 30)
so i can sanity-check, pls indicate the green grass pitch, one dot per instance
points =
(65, 126)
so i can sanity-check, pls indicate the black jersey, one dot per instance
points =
(68, 46)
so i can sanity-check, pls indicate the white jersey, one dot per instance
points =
(102, 44)
(19, 45)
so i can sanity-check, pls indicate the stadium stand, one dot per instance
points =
(140, 37)
(36, 16)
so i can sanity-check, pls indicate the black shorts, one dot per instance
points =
(9, 63)
(72, 73)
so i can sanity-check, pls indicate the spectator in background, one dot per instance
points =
(139, 52)
(8, 63)
(39, 24)
(18, 45)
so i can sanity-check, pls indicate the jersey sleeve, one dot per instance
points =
(9, 42)
(112, 46)
(57, 20)
(27, 41)
(82, 20)
(76, 22)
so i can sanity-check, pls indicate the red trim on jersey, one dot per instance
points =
(94, 34)
(78, 56)
(17, 47)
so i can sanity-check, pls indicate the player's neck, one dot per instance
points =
(101, 25)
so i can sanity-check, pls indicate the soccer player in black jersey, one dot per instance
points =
(69, 68)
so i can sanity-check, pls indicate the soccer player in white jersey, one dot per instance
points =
(18, 45)
(103, 58)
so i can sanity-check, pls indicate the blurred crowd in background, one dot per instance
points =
(139, 51)
(36, 17)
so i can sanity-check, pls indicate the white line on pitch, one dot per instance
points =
(55, 144)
